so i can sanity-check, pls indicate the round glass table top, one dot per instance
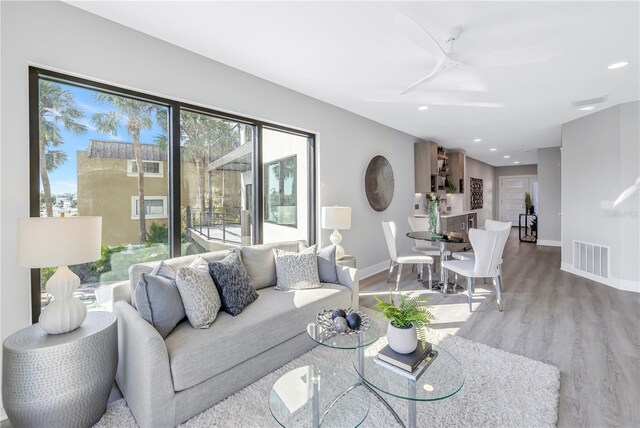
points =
(330, 338)
(333, 397)
(442, 379)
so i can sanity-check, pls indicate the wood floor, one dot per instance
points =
(590, 331)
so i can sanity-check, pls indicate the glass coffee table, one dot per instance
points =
(315, 395)
(443, 378)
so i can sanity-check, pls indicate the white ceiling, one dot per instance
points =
(354, 55)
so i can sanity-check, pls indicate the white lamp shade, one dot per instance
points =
(336, 218)
(53, 241)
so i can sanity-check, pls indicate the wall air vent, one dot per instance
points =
(591, 258)
(590, 102)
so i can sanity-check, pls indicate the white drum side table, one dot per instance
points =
(61, 380)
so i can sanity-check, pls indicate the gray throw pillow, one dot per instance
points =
(199, 295)
(327, 264)
(297, 271)
(164, 270)
(159, 302)
(233, 283)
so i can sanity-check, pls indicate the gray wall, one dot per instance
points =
(503, 171)
(477, 169)
(601, 158)
(60, 37)
(549, 195)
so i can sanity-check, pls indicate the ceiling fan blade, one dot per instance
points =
(420, 36)
(424, 79)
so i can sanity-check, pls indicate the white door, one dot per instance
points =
(512, 190)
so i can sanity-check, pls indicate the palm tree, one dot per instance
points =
(135, 115)
(57, 106)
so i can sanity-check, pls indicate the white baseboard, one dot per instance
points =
(372, 270)
(549, 243)
(620, 284)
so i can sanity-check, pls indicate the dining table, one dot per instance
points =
(444, 240)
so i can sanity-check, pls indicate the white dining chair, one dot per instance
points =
(403, 258)
(488, 247)
(495, 226)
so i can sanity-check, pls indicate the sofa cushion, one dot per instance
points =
(159, 302)
(233, 284)
(175, 263)
(197, 355)
(296, 271)
(199, 295)
(260, 263)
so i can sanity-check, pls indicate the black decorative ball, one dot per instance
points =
(338, 313)
(354, 321)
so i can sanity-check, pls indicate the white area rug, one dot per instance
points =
(501, 390)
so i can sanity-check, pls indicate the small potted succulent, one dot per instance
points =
(407, 321)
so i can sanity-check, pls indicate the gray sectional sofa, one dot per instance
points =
(167, 381)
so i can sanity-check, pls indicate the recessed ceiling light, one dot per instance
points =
(587, 108)
(617, 65)
(492, 150)
(423, 108)
(477, 140)
(507, 156)
(517, 162)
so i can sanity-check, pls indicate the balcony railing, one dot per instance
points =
(214, 224)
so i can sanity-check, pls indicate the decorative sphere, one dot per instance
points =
(354, 321)
(340, 324)
(338, 313)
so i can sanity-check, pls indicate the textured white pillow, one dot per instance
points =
(297, 271)
(199, 295)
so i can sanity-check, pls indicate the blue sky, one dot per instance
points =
(64, 179)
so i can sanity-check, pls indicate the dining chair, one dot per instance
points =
(400, 258)
(488, 247)
(495, 226)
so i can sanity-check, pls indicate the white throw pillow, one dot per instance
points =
(297, 271)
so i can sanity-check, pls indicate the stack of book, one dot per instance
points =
(410, 366)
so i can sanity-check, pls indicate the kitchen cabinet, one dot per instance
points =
(425, 165)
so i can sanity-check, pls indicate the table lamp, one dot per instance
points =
(54, 241)
(336, 218)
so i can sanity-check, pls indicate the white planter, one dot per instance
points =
(402, 340)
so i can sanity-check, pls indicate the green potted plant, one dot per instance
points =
(527, 202)
(406, 321)
(450, 186)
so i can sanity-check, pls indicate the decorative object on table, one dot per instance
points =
(433, 200)
(527, 203)
(47, 242)
(413, 375)
(476, 186)
(407, 321)
(342, 321)
(60, 380)
(407, 362)
(528, 230)
(336, 218)
(379, 183)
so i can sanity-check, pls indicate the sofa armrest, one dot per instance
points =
(121, 291)
(349, 277)
(144, 373)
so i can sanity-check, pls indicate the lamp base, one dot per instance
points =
(65, 312)
(336, 239)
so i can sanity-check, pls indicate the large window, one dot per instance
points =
(167, 178)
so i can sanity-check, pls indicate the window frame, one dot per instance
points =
(135, 202)
(173, 203)
(131, 173)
